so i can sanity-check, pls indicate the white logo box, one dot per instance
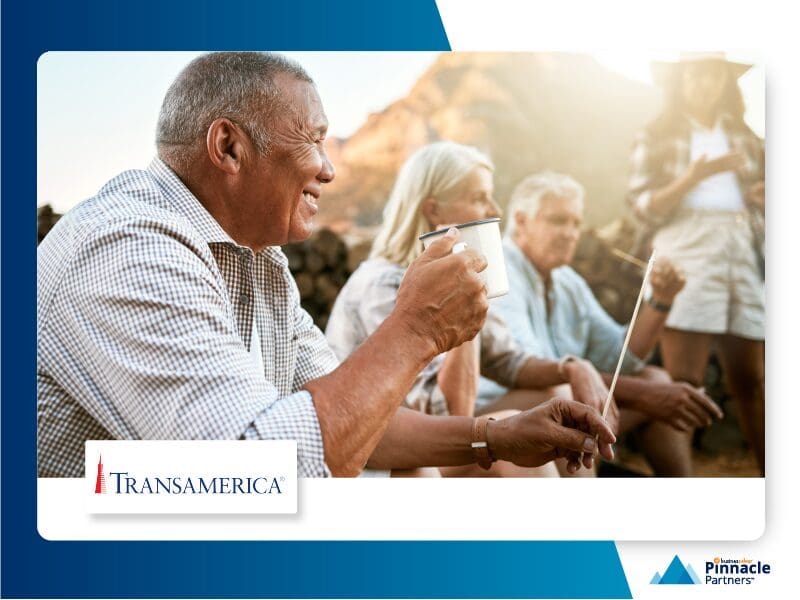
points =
(191, 477)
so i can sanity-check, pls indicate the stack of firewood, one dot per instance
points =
(45, 219)
(614, 281)
(320, 268)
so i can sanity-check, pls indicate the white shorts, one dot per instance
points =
(724, 292)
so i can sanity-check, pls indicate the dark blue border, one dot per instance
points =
(33, 567)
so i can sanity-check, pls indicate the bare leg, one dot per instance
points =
(520, 400)
(668, 450)
(743, 365)
(501, 468)
(685, 354)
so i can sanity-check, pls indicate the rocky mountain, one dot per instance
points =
(529, 111)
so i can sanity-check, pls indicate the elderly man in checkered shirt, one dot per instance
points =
(166, 309)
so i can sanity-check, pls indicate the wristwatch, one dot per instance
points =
(480, 445)
(659, 306)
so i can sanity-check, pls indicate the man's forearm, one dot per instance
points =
(356, 401)
(414, 439)
(630, 391)
(648, 327)
(539, 373)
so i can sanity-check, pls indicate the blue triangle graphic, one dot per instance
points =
(692, 573)
(676, 573)
(656, 578)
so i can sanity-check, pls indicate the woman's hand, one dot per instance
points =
(705, 167)
(666, 280)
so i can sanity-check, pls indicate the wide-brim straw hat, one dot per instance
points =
(663, 69)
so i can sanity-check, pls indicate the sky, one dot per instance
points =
(97, 111)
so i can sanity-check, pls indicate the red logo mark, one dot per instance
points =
(100, 484)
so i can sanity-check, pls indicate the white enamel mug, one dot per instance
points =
(483, 236)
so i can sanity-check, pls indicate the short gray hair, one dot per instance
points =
(527, 196)
(236, 85)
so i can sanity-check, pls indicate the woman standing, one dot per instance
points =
(698, 176)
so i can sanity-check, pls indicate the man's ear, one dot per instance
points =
(226, 145)
(430, 210)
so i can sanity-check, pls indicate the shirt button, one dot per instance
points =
(244, 298)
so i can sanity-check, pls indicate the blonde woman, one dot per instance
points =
(442, 184)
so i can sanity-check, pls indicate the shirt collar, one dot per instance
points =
(190, 207)
(517, 257)
(188, 204)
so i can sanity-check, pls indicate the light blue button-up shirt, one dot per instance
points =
(574, 324)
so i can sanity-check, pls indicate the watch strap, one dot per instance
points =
(480, 443)
(659, 306)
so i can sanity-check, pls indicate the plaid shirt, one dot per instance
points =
(657, 160)
(145, 312)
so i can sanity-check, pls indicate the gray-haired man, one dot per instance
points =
(552, 313)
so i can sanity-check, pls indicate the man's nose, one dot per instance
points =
(570, 232)
(327, 172)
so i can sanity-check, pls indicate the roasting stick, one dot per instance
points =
(648, 269)
(627, 257)
(613, 385)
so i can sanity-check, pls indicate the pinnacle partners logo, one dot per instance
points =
(719, 571)
(676, 573)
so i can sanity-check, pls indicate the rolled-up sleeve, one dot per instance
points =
(147, 344)
(294, 418)
(501, 357)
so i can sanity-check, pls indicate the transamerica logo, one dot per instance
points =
(191, 476)
(124, 483)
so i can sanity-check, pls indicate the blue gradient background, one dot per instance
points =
(33, 567)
